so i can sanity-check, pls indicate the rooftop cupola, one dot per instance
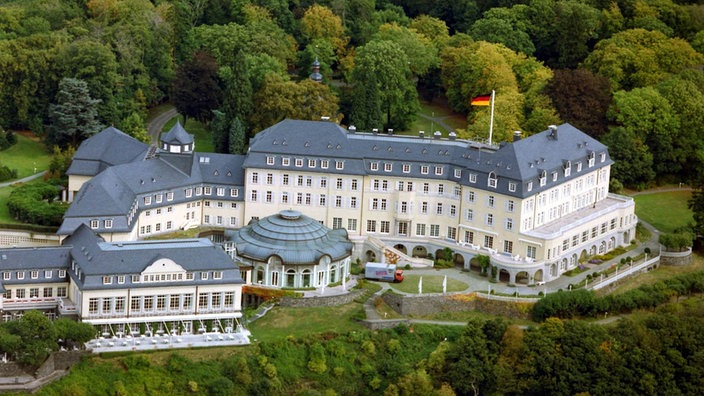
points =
(177, 140)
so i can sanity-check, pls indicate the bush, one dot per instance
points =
(676, 242)
(7, 173)
(34, 204)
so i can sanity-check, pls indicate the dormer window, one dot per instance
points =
(374, 166)
(311, 163)
(339, 165)
(492, 181)
(438, 170)
(472, 177)
(424, 169)
(543, 178)
(579, 166)
(94, 224)
(148, 200)
(285, 161)
(324, 164)
(554, 176)
(592, 157)
(387, 167)
(602, 157)
(299, 162)
(458, 173)
(406, 168)
(270, 160)
(568, 168)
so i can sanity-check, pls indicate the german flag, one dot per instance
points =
(482, 100)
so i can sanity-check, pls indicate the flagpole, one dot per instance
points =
(491, 121)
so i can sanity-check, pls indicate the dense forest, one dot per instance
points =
(660, 353)
(629, 72)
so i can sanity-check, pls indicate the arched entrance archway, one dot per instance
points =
(538, 275)
(420, 251)
(459, 260)
(401, 248)
(371, 256)
(290, 278)
(522, 278)
(504, 276)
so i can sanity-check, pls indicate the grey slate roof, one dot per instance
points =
(105, 149)
(519, 162)
(112, 193)
(97, 258)
(39, 258)
(515, 165)
(177, 135)
(295, 238)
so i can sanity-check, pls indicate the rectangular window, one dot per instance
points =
(490, 219)
(107, 280)
(269, 197)
(189, 192)
(173, 302)
(308, 198)
(217, 274)
(406, 168)
(469, 215)
(512, 186)
(438, 209)
(510, 205)
(20, 293)
(61, 291)
(121, 279)
(530, 252)
(469, 237)
(509, 224)
(508, 246)
(339, 165)
(371, 225)
(229, 300)
(108, 223)
(384, 227)
(253, 196)
(34, 274)
(311, 163)
(338, 184)
(119, 304)
(48, 274)
(458, 173)
(6, 275)
(269, 160)
(159, 198)
(353, 202)
(424, 169)
(353, 185)
(299, 162)
(187, 301)
(426, 188)
(490, 201)
(374, 166)
(284, 197)
(285, 161)
(420, 229)
(434, 230)
(470, 197)
(336, 222)
(204, 275)
(169, 196)
(324, 164)
(441, 189)
(93, 305)
(322, 201)
(388, 167)
(451, 232)
(148, 200)
(323, 182)
(34, 292)
(489, 241)
(94, 224)
(351, 224)
(202, 300)
(199, 190)
(48, 292)
(438, 170)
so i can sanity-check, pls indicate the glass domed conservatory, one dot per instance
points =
(289, 249)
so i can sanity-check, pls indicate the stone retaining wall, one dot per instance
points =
(384, 324)
(424, 305)
(324, 301)
(676, 258)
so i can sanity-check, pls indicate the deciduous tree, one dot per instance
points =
(196, 91)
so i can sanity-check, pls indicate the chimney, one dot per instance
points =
(516, 136)
(453, 136)
(390, 131)
(352, 129)
(375, 130)
(437, 135)
(325, 118)
(421, 134)
(553, 131)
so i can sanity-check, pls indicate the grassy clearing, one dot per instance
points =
(661, 273)
(201, 135)
(665, 211)
(28, 153)
(436, 110)
(431, 284)
(280, 323)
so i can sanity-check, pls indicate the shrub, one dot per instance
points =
(34, 204)
(676, 242)
(7, 173)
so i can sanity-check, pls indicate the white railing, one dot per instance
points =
(622, 273)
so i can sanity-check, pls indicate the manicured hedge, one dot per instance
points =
(35, 204)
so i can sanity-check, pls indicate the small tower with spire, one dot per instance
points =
(316, 76)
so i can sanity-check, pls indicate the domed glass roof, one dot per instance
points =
(292, 236)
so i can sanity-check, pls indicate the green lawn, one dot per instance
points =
(665, 211)
(25, 156)
(280, 323)
(201, 135)
(436, 110)
(431, 284)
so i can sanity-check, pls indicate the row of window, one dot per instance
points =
(161, 303)
(298, 162)
(33, 274)
(304, 181)
(162, 277)
(586, 234)
(35, 292)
